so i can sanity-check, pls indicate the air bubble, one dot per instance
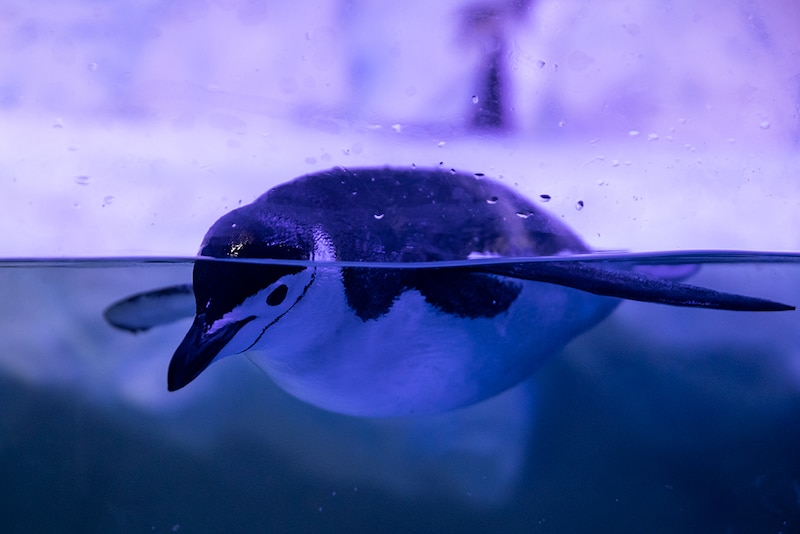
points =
(492, 200)
(764, 125)
(545, 198)
(579, 205)
(379, 216)
(82, 180)
(524, 214)
(475, 99)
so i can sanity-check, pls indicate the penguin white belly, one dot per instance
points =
(415, 358)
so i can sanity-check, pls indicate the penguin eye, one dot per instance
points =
(277, 295)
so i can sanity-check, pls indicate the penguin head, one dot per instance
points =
(237, 297)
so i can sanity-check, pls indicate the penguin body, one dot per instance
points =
(382, 341)
(395, 341)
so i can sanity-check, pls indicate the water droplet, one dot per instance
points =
(634, 133)
(561, 124)
(379, 216)
(540, 64)
(492, 200)
(652, 137)
(545, 198)
(615, 163)
(92, 66)
(579, 205)
(311, 160)
(82, 180)
(475, 99)
(108, 199)
(764, 125)
(397, 128)
(441, 144)
(58, 123)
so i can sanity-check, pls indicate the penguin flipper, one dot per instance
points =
(630, 285)
(143, 311)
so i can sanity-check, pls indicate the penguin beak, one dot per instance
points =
(198, 349)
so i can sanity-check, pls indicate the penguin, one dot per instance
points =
(366, 291)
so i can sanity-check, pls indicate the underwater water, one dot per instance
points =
(660, 419)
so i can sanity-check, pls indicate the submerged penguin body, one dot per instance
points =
(416, 358)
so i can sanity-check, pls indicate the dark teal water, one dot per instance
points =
(660, 419)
